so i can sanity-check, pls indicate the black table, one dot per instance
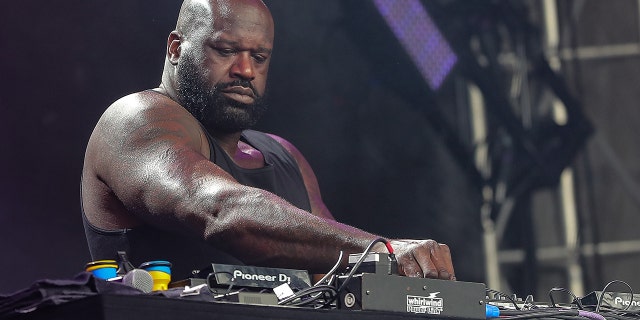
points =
(142, 307)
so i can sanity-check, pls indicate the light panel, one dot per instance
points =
(420, 37)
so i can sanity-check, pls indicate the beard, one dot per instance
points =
(215, 111)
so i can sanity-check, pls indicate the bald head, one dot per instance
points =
(197, 15)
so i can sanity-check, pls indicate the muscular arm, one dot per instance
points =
(152, 156)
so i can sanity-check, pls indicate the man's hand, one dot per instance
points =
(423, 258)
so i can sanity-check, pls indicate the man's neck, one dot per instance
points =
(164, 90)
(242, 153)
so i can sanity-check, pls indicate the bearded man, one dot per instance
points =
(174, 173)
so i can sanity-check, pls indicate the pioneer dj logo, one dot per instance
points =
(625, 302)
(262, 277)
(428, 305)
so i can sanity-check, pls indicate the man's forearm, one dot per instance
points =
(261, 228)
(252, 224)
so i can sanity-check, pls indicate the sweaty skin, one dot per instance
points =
(147, 161)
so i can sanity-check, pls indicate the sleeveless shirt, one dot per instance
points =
(280, 175)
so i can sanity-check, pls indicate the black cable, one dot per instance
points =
(321, 295)
(604, 290)
(553, 303)
(323, 289)
(353, 270)
(501, 294)
(308, 291)
(332, 271)
(359, 262)
(327, 301)
(232, 281)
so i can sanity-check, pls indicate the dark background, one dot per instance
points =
(381, 163)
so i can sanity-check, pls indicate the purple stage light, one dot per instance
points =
(420, 37)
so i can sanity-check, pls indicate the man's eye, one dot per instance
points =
(260, 58)
(225, 51)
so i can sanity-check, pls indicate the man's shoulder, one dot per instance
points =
(143, 100)
(142, 106)
(143, 115)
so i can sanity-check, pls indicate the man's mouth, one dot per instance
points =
(239, 93)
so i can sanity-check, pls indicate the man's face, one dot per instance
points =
(222, 71)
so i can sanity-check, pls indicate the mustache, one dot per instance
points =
(238, 83)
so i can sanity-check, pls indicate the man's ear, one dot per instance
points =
(174, 43)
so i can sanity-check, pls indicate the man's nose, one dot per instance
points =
(243, 67)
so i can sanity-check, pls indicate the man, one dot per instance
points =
(173, 173)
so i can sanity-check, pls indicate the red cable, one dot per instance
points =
(389, 247)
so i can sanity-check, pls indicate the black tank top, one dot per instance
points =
(280, 175)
